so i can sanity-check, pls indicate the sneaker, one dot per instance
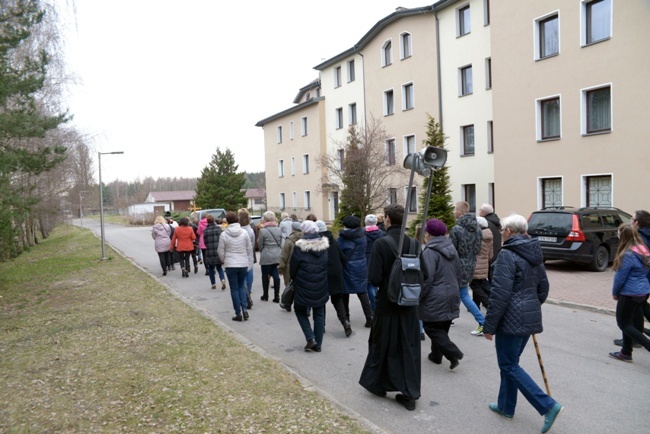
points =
(620, 356)
(478, 331)
(495, 408)
(619, 343)
(550, 417)
(223, 285)
(214, 286)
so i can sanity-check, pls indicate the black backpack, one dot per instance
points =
(405, 281)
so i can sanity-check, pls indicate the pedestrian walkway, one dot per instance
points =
(573, 286)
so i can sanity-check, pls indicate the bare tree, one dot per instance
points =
(361, 169)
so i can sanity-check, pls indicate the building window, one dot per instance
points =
(282, 202)
(464, 23)
(341, 158)
(405, 49)
(390, 152)
(597, 110)
(467, 137)
(293, 166)
(291, 130)
(281, 168)
(550, 120)
(491, 196)
(337, 76)
(389, 103)
(339, 118)
(279, 133)
(597, 21)
(409, 145)
(599, 190)
(392, 196)
(412, 199)
(466, 82)
(351, 72)
(307, 200)
(469, 195)
(551, 192)
(294, 200)
(387, 53)
(305, 164)
(486, 12)
(303, 126)
(490, 137)
(548, 36)
(407, 95)
(353, 113)
(488, 73)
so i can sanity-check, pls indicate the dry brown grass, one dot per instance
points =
(99, 346)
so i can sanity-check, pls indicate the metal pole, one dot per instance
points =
(81, 211)
(101, 205)
(406, 212)
(426, 207)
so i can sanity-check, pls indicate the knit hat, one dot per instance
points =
(371, 220)
(351, 222)
(436, 228)
(322, 227)
(309, 227)
(482, 222)
(296, 226)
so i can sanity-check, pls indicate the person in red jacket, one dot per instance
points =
(183, 242)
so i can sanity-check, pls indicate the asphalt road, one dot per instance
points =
(600, 395)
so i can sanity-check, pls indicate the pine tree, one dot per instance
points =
(352, 179)
(220, 185)
(440, 202)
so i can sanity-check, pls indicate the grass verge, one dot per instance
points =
(98, 346)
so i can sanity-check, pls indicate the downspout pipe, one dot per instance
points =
(440, 120)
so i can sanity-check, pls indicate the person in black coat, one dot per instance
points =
(393, 361)
(519, 287)
(309, 275)
(440, 299)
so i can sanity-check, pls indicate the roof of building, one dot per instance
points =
(161, 196)
(254, 193)
(290, 110)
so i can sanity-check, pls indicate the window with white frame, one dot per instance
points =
(466, 80)
(338, 119)
(282, 201)
(387, 53)
(352, 109)
(488, 73)
(547, 35)
(596, 21)
(280, 168)
(307, 200)
(409, 145)
(389, 102)
(464, 24)
(597, 110)
(490, 137)
(405, 45)
(391, 197)
(351, 71)
(337, 76)
(303, 125)
(391, 159)
(305, 164)
(294, 200)
(486, 12)
(491, 194)
(291, 130)
(469, 195)
(407, 96)
(412, 199)
(341, 158)
(551, 192)
(598, 190)
(549, 119)
(293, 166)
(467, 139)
(279, 134)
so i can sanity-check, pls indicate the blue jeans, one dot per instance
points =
(513, 377)
(372, 293)
(249, 281)
(237, 282)
(318, 313)
(211, 273)
(470, 305)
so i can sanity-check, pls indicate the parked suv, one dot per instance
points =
(582, 235)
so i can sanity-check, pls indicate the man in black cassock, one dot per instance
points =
(393, 362)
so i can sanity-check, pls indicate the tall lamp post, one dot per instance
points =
(101, 198)
(81, 209)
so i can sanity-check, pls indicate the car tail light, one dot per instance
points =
(576, 234)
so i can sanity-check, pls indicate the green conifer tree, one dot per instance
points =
(220, 185)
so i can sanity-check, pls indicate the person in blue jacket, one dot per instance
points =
(352, 241)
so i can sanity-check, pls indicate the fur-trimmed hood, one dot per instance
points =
(309, 244)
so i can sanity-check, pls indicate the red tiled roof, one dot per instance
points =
(161, 196)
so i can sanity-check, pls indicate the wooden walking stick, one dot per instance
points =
(541, 365)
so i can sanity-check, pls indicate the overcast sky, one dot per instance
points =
(168, 82)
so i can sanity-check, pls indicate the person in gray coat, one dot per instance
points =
(440, 299)
(269, 242)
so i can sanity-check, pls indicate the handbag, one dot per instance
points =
(286, 300)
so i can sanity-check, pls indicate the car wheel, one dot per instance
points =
(601, 259)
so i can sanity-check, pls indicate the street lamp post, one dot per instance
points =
(101, 199)
(81, 209)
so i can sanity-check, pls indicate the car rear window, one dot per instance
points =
(549, 223)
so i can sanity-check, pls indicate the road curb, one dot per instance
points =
(586, 307)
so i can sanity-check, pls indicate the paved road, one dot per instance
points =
(601, 395)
